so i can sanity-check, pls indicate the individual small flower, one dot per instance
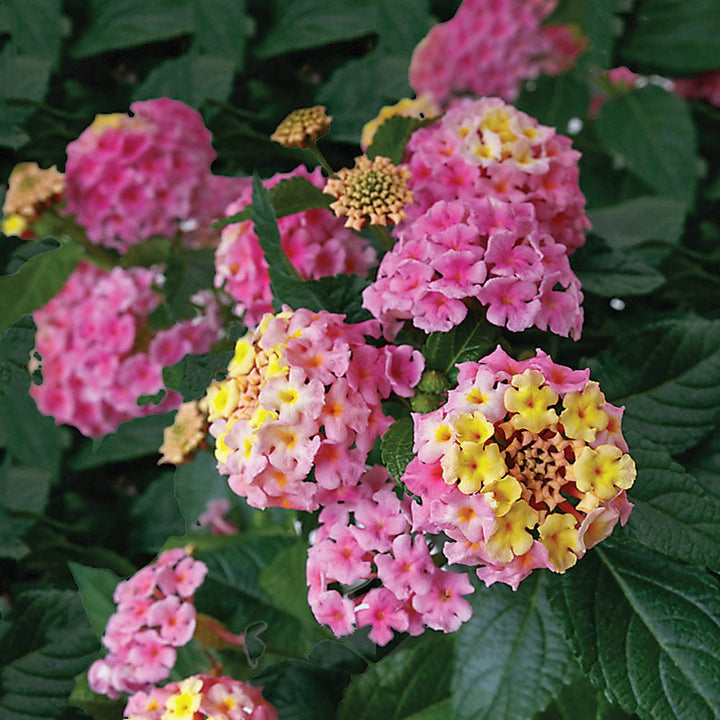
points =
(705, 86)
(371, 193)
(185, 435)
(30, 191)
(314, 240)
(423, 108)
(302, 127)
(201, 697)
(303, 393)
(214, 516)
(547, 482)
(99, 355)
(155, 615)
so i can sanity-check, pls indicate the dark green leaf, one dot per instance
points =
(650, 131)
(48, 643)
(401, 24)
(555, 100)
(678, 38)
(668, 377)
(151, 251)
(155, 515)
(526, 642)
(599, 27)
(97, 706)
(190, 78)
(35, 27)
(397, 446)
(220, 27)
(644, 218)
(646, 631)
(187, 271)
(580, 701)
(128, 23)
(194, 373)
(672, 513)
(616, 274)
(704, 464)
(305, 24)
(38, 280)
(196, 483)
(342, 294)
(96, 586)
(402, 684)
(468, 341)
(392, 136)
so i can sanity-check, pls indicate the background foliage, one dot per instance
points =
(634, 629)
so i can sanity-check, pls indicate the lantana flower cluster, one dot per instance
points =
(491, 48)
(487, 148)
(201, 697)
(523, 467)
(365, 539)
(484, 249)
(99, 355)
(131, 177)
(314, 240)
(155, 615)
(301, 406)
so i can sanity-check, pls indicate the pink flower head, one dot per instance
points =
(493, 251)
(315, 241)
(304, 392)
(155, 615)
(109, 357)
(532, 485)
(491, 49)
(129, 177)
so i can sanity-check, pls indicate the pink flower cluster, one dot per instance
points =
(155, 615)
(486, 148)
(485, 249)
(365, 535)
(705, 86)
(491, 48)
(98, 353)
(301, 407)
(315, 241)
(523, 467)
(201, 697)
(130, 177)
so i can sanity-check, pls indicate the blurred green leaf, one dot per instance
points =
(155, 515)
(35, 27)
(645, 629)
(392, 136)
(196, 483)
(555, 100)
(397, 446)
(403, 684)
(526, 641)
(48, 643)
(96, 586)
(219, 29)
(402, 24)
(677, 38)
(651, 132)
(581, 701)
(192, 376)
(615, 274)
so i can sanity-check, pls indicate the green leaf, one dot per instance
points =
(35, 27)
(580, 701)
(97, 706)
(651, 132)
(668, 377)
(38, 280)
(392, 136)
(402, 24)
(96, 586)
(704, 464)
(187, 271)
(303, 24)
(644, 218)
(155, 515)
(192, 79)
(646, 631)
(599, 27)
(219, 28)
(678, 38)
(526, 642)
(673, 514)
(402, 684)
(555, 100)
(342, 294)
(49, 641)
(396, 450)
(615, 274)
(196, 483)
(468, 341)
(192, 375)
(129, 23)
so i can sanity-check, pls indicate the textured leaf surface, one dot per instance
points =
(468, 341)
(526, 642)
(96, 586)
(403, 684)
(668, 377)
(397, 446)
(651, 132)
(48, 642)
(194, 373)
(616, 274)
(554, 101)
(392, 136)
(197, 482)
(647, 631)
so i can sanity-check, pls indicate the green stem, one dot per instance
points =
(315, 150)
(383, 236)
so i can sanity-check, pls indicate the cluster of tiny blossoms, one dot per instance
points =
(130, 177)
(523, 467)
(485, 249)
(491, 48)
(487, 148)
(314, 240)
(201, 697)
(365, 537)
(302, 400)
(98, 353)
(155, 615)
